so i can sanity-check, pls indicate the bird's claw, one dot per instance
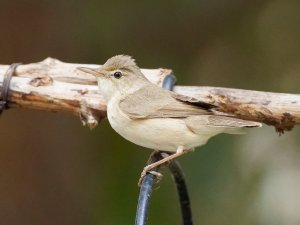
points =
(146, 169)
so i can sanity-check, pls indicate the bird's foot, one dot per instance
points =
(180, 151)
(146, 170)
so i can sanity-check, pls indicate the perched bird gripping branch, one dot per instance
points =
(155, 118)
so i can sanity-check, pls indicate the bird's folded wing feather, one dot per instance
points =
(155, 102)
(230, 125)
(219, 121)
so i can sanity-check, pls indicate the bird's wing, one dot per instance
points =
(154, 102)
(231, 125)
(219, 121)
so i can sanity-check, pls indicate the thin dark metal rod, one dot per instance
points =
(177, 172)
(5, 86)
(169, 82)
(178, 176)
(185, 205)
(146, 192)
(144, 198)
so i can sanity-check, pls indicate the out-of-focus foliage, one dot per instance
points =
(54, 171)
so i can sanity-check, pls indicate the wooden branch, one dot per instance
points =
(276, 109)
(57, 86)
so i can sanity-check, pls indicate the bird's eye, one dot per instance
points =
(117, 75)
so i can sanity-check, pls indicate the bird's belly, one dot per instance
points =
(164, 134)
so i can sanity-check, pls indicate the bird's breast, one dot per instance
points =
(117, 119)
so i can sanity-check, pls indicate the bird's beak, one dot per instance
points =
(94, 72)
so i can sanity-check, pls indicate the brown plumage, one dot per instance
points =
(154, 102)
(120, 62)
(150, 116)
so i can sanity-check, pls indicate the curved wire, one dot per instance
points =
(5, 86)
(185, 205)
(177, 174)
(146, 192)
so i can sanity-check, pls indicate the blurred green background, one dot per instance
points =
(55, 171)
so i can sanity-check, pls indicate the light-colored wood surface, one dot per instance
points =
(57, 86)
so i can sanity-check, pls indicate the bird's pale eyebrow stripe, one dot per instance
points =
(125, 69)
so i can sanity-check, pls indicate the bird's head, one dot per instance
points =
(118, 75)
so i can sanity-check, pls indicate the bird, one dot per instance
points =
(156, 118)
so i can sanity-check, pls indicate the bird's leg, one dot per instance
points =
(147, 169)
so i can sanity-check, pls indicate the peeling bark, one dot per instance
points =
(276, 109)
(57, 86)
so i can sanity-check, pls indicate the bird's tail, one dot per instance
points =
(218, 124)
(231, 125)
